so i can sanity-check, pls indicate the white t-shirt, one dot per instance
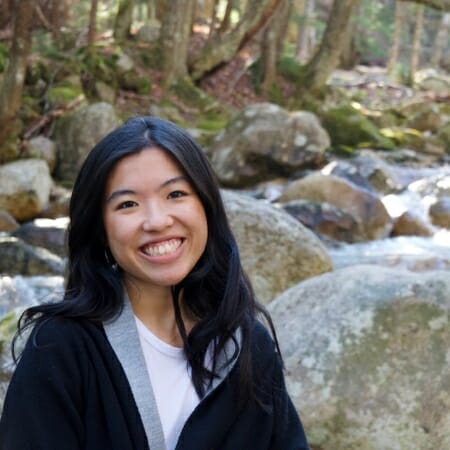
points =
(172, 385)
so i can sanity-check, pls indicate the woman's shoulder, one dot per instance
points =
(262, 340)
(59, 331)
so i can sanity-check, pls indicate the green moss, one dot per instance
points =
(349, 127)
(3, 56)
(63, 94)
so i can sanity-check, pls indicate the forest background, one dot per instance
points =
(205, 58)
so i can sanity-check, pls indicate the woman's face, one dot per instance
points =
(155, 224)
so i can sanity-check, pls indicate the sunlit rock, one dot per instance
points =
(367, 355)
(277, 251)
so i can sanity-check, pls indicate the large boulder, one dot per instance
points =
(265, 141)
(367, 358)
(324, 218)
(366, 207)
(24, 188)
(41, 147)
(277, 251)
(77, 133)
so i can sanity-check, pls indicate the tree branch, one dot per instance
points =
(442, 5)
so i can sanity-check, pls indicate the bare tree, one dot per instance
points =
(416, 48)
(400, 19)
(174, 40)
(123, 20)
(14, 78)
(441, 40)
(272, 43)
(92, 27)
(326, 59)
(306, 36)
(223, 46)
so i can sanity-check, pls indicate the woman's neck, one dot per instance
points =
(155, 309)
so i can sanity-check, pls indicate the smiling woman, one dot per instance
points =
(156, 343)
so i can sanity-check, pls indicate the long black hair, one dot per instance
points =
(216, 292)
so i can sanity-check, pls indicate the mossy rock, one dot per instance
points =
(444, 136)
(348, 127)
(192, 95)
(405, 137)
(132, 81)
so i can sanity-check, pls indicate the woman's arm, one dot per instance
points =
(43, 404)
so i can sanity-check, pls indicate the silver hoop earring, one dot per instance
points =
(110, 260)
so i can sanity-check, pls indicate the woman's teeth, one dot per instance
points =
(162, 248)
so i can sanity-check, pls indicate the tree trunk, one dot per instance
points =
(92, 27)
(226, 21)
(326, 59)
(224, 46)
(400, 18)
(306, 37)
(441, 40)
(174, 40)
(123, 20)
(14, 78)
(272, 43)
(416, 48)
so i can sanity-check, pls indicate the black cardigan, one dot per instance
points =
(69, 392)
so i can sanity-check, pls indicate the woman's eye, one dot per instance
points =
(177, 194)
(126, 204)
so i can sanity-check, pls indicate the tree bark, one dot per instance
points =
(92, 27)
(326, 59)
(400, 18)
(123, 20)
(174, 40)
(441, 40)
(272, 43)
(224, 46)
(14, 78)
(416, 48)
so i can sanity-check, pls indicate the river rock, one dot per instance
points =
(44, 148)
(410, 224)
(265, 141)
(7, 221)
(58, 204)
(16, 294)
(366, 353)
(366, 207)
(24, 188)
(366, 170)
(440, 212)
(47, 233)
(19, 258)
(324, 218)
(277, 251)
(77, 133)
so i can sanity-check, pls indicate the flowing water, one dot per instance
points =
(411, 252)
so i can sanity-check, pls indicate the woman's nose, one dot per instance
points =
(157, 217)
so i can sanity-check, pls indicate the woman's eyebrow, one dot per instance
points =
(175, 180)
(118, 193)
